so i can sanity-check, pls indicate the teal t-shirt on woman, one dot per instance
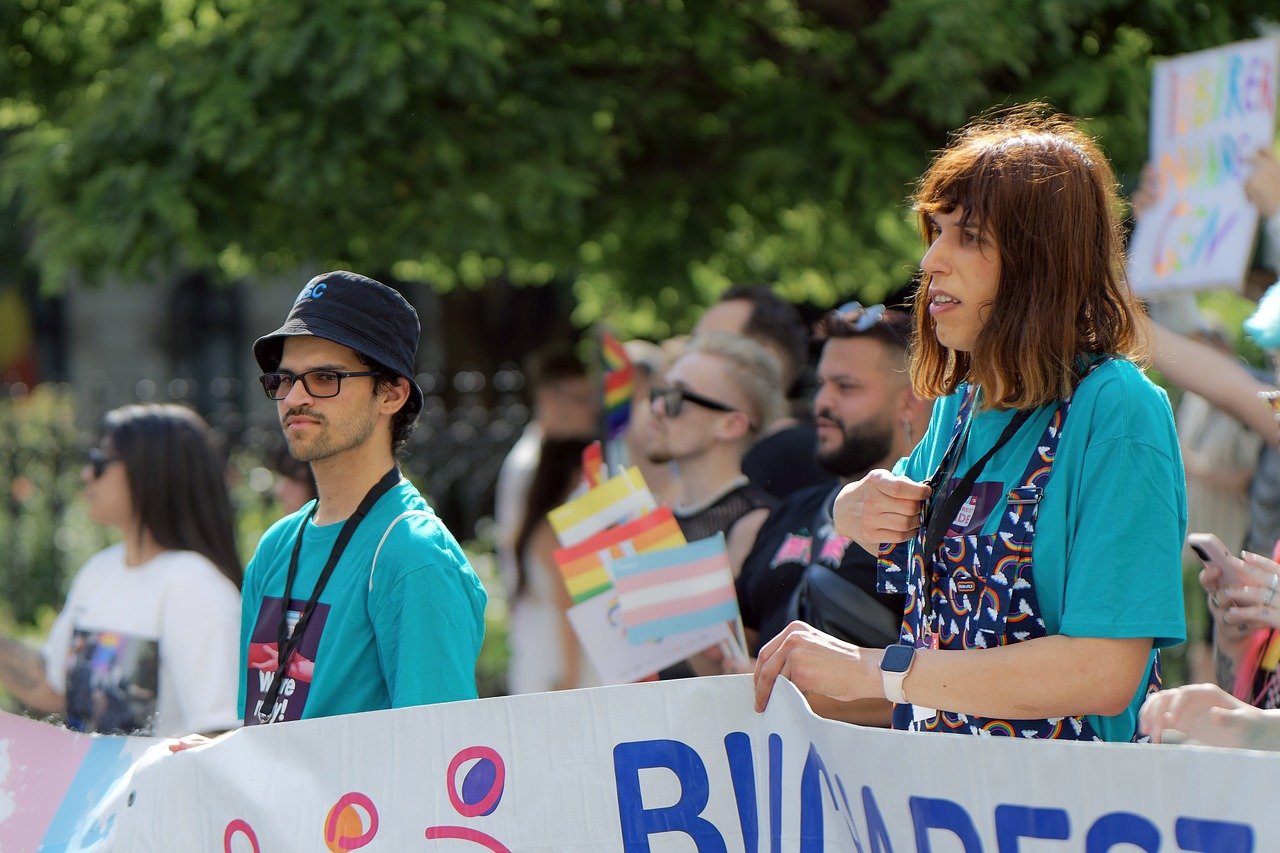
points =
(1107, 554)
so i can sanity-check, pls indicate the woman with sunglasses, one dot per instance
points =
(1037, 528)
(147, 640)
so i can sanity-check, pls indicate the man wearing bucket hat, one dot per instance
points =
(361, 600)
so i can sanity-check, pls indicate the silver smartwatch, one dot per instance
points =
(894, 667)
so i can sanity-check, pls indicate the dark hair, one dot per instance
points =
(552, 363)
(559, 463)
(775, 320)
(177, 481)
(403, 421)
(289, 466)
(1047, 196)
(892, 328)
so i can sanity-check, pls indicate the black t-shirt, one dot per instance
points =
(786, 545)
(784, 463)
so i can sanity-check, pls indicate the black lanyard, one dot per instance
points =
(947, 501)
(287, 643)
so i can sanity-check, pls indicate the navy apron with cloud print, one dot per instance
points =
(983, 594)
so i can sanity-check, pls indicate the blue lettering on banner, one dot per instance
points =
(927, 814)
(737, 748)
(638, 822)
(819, 787)
(877, 831)
(1014, 822)
(1122, 828)
(1213, 835)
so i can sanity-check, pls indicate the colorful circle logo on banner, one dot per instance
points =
(239, 827)
(344, 825)
(476, 779)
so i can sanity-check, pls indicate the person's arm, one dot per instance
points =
(543, 546)
(1090, 675)
(199, 647)
(1211, 716)
(22, 671)
(1216, 376)
(742, 536)
(881, 507)
(428, 618)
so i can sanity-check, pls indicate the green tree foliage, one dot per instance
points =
(646, 151)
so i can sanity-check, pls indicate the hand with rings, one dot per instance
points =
(1251, 604)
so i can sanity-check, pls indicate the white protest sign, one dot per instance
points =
(666, 766)
(598, 624)
(1210, 112)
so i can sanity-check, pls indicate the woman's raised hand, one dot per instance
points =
(881, 507)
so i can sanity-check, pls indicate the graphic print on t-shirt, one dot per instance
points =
(111, 683)
(264, 659)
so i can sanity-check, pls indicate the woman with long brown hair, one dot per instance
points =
(1037, 528)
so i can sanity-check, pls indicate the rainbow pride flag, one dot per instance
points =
(619, 384)
(585, 566)
(662, 593)
(618, 499)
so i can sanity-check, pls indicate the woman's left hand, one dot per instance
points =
(1252, 604)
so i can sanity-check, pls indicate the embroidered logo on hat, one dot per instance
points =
(313, 290)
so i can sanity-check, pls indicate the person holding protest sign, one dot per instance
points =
(545, 652)
(146, 641)
(361, 600)
(1041, 517)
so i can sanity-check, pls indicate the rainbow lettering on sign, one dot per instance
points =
(1228, 87)
(1212, 111)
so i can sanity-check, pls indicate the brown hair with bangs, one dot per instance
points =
(1043, 192)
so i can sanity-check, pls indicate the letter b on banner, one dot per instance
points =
(638, 822)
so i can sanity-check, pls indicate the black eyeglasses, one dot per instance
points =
(99, 461)
(673, 401)
(863, 318)
(319, 383)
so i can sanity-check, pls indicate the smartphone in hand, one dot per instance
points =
(1212, 552)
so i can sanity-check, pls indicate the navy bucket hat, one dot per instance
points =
(357, 312)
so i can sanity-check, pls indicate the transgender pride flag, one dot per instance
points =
(674, 590)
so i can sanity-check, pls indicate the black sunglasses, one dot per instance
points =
(99, 461)
(673, 401)
(319, 383)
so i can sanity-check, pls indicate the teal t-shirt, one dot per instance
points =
(406, 632)
(1109, 532)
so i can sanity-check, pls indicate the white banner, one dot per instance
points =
(668, 766)
(1210, 112)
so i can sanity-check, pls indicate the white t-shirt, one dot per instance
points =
(514, 478)
(151, 649)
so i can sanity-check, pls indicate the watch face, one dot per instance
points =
(897, 658)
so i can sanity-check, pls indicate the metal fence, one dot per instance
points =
(468, 424)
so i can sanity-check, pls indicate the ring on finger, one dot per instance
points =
(1275, 582)
(1213, 599)
(1266, 599)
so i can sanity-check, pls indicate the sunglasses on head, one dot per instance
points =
(862, 318)
(673, 400)
(99, 461)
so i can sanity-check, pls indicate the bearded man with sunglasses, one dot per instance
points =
(361, 600)
(800, 568)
